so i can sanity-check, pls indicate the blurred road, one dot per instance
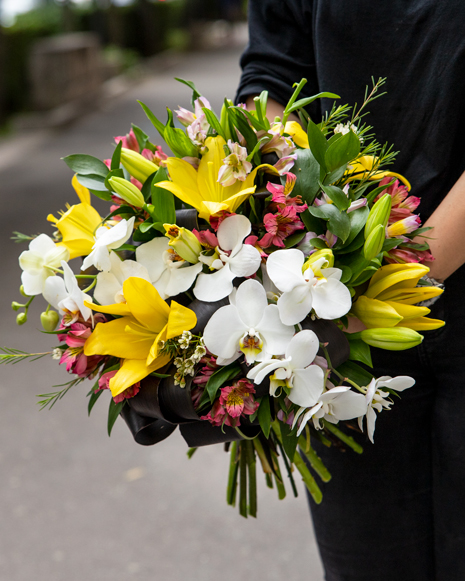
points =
(75, 504)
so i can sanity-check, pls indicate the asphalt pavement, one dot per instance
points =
(76, 505)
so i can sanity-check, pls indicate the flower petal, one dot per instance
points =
(181, 279)
(54, 290)
(223, 331)
(132, 371)
(331, 300)
(145, 304)
(349, 405)
(285, 268)
(215, 286)
(295, 305)
(232, 232)
(274, 332)
(398, 383)
(303, 349)
(121, 338)
(246, 262)
(150, 255)
(308, 386)
(251, 302)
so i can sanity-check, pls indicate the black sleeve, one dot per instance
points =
(280, 50)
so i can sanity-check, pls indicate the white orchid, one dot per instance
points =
(250, 326)
(315, 287)
(167, 271)
(65, 295)
(376, 398)
(109, 289)
(295, 372)
(107, 239)
(232, 259)
(334, 405)
(40, 262)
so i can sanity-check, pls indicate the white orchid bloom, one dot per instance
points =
(250, 326)
(295, 371)
(109, 288)
(107, 239)
(376, 398)
(317, 287)
(65, 295)
(167, 271)
(40, 262)
(334, 405)
(234, 259)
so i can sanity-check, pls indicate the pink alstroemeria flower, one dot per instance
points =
(104, 383)
(404, 226)
(206, 238)
(282, 146)
(129, 141)
(235, 401)
(402, 204)
(281, 194)
(201, 379)
(279, 226)
(235, 165)
(405, 255)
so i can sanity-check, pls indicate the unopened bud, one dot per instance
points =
(137, 165)
(184, 242)
(325, 253)
(21, 318)
(128, 191)
(16, 306)
(394, 339)
(49, 320)
(379, 214)
(374, 243)
(21, 290)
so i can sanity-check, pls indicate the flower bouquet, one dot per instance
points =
(217, 293)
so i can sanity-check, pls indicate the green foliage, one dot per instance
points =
(307, 170)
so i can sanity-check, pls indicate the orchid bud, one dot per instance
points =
(49, 320)
(394, 339)
(16, 306)
(128, 191)
(379, 214)
(21, 318)
(21, 290)
(374, 243)
(325, 253)
(184, 242)
(137, 165)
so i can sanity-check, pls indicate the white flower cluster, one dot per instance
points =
(190, 351)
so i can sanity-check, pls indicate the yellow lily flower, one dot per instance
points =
(389, 300)
(78, 224)
(200, 188)
(364, 164)
(137, 337)
(299, 137)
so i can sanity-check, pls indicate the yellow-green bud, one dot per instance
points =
(394, 339)
(325, 253)
(184, 242)
(128, 191)
(21, 318)
(16, 306)
(137, 165)
(374, 242)
(379, 214)
(21, 290)
(49, 320)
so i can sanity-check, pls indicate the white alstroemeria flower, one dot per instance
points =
(65, 295)
(167, 271)
(250, 326)
(234, 259)
(316, 288)
(376, 398)
(109, 289)
(334, 405)
(107, 239)
(40, 262)
(295, 371)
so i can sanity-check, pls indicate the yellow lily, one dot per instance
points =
(137, 337)
(294, 130)
(78, 224)
(200, 188)
(390, 298)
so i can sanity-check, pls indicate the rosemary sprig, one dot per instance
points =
(50, 399)
(15, 355)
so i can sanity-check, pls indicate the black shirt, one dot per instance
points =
(419, 45)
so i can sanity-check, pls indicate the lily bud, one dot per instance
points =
(49, 320)
(21, 318)
(137, 165)
(16, 306)
(128, 191)
(396, 339)
(325, 253)
(379, 214)
(374, 242)
(184, 242)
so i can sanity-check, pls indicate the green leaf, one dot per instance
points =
(179, 143)
(93, 182)
(218, 378)
(122, 211)
(355, 373)
(318, 243)
(307, 170)
(357, 243)
(253, 120)
(214, 122)
(308, 100)
(148, 225)
(342, 151)
(141, 136)
(313, 224)
(113, 413)
(294, 239)
(317, 142)
(116, 157)
(372, 195)
(190, 84)
(240, 122)
(264, 416)
(93, 398)
(102, 194)
(162, 199)
(359, 351)
(147, 187)
(129, 247)
(335, 175)
(156, 123)
(346, 273)
(290, 439)
(86, 164)
(338, 222)
(390, 243)
(337, 196)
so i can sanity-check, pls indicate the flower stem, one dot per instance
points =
(343, 437)
(315, 461)
(242, 480)
(308, 479)
(252, 472)
(232, 478)
(91, 286)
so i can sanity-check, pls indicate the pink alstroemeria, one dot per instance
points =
(219, 217)
(235, 165)
(279, 226)
(404, 226)
(405, 255)
(104, 383)
(285, 164)
(129, 141)
(402, 205)
(206, 238)
(253, 241)
(235, 401)
(281, 194)
(201, 379)
(282, 146)
(188, 117)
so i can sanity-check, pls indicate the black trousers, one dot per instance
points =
(397, 512)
